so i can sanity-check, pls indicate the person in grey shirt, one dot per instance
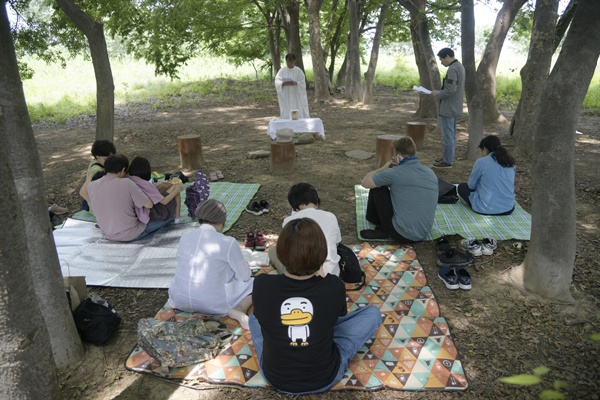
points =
(403, 196)
(450, 104)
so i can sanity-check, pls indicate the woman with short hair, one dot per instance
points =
(491, 186)
(212, 276)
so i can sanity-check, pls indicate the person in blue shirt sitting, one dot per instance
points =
(491, 186)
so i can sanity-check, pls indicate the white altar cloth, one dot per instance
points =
(299, 125)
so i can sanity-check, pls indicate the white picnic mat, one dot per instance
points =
(146, 263)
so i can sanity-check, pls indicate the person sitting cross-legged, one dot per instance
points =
(403, 196)
(302, 332)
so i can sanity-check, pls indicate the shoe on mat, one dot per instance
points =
(254, 208)
(464, 278)
(260, 242)
(373, 234)
(442, 164)
(442, 245)
(454, 257)
(56, 209)
(449, 277)
(472, 246)
(250, 241)
(264, 206)
(488, 245)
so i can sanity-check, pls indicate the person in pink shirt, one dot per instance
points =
(167, 203)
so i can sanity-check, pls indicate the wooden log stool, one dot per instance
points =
(416, 130)
(384, 149)
(190, 151)
(282, 157)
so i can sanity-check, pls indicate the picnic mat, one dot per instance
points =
(459, 219)
(146, 263)
(235, 197)
(412, 350)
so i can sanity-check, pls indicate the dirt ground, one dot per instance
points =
(498, 330)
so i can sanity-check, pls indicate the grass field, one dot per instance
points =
(55, 94)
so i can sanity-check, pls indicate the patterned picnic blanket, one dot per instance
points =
(235, 197)
(412, 350)
(459, 219)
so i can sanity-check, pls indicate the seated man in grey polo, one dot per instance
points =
(403, 196)
(114, 200)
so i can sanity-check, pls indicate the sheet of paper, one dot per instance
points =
(421, 89)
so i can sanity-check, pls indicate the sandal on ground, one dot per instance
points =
(213, 176)
(219, 175)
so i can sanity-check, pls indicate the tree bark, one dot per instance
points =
(341, 76)
(273, 21)
(39, 260)
(354, 53)
(291, 24)
(105, 87)
(336, 27)
(486, 72)
(548, 267)
(474, 102)
(534, 74)
(370, 74)
(321, 78)
(429, 74)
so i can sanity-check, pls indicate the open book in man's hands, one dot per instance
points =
(421, 89)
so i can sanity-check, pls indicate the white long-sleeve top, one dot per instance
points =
(291, 97)
(212, 275)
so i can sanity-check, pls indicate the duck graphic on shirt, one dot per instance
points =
(296, 313)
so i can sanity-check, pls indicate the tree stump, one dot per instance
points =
(384, 149)
(190, 152)
(416, 130)
(282, 157)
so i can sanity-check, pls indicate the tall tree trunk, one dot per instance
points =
(429, 74)
(534, 74)
(341, 76)
(39, 252)
(273, 21)
(370, 74)
(105, 88)
(548, 267)
(354, 53)
(335, 44)
(474, 103)
(486, 72)
(321, 78)
(291, 23)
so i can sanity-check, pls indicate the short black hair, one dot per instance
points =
(303, 193)
(116, 163)
(103, 148)
(140, 167)
(290, 56)
(445, 52)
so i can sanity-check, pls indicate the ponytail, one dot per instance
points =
(503, 157)
(499, 153)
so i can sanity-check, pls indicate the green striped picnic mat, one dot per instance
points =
(235, 197)
(459, 219)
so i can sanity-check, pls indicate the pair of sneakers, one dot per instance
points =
(258, 207)
(255, 241)
(448, 256)
(486, 247)
(458, 278)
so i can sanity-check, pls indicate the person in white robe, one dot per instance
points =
(290, 84)
(212, 276)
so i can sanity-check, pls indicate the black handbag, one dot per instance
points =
(447, 193)
(96, 320)
(350, 271)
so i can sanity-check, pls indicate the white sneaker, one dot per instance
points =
(473, 246)
(488, 246)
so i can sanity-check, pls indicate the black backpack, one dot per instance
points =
(350, 271)
(447, 193)
(96, 320)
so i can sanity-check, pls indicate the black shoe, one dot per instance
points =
(442, 165)
(449, 277)
(442, 245)
(464, 278)
(374, 234)
(454, 257)
(254, 208)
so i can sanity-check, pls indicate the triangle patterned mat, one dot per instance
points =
(412, 349)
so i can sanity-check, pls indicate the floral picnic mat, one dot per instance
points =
(412, 350)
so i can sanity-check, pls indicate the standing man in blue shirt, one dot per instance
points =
(450, 104)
